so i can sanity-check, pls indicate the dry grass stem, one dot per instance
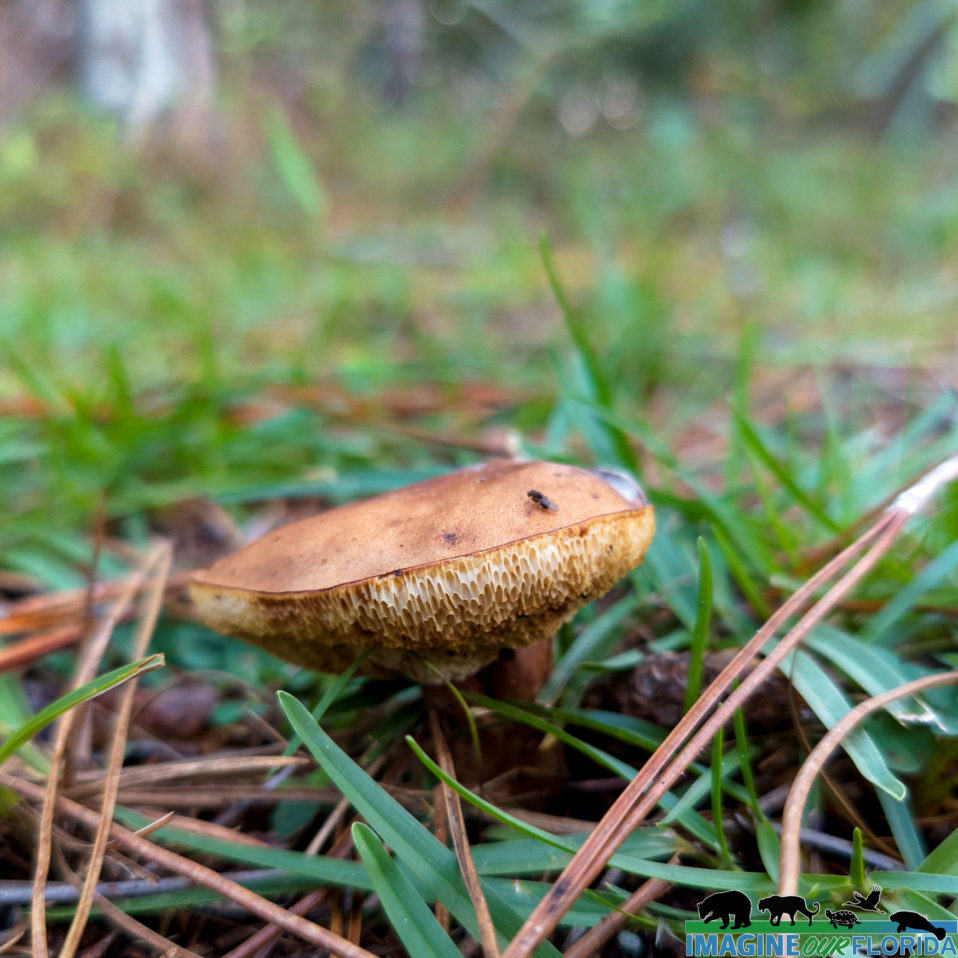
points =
(460, 842)
(222, 796)
(355, 930)
(343, 844)
(141, 642)
(209, 767)
(13, 935)
(124, 922)
(328, 827)
(85, 670)
(798, 795)
(440, 828)
(592, 941)
(99, 949)
(66, 607)
(199, 874)
(16, 655)
(263, 938)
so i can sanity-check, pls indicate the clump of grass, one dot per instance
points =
(679, 333)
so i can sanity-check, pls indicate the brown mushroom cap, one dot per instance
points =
(439, 575)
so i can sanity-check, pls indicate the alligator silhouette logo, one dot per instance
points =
(911, 919)
(867, 902)
(779, 905)
(727, 905)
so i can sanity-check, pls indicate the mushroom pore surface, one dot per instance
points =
(435, 578)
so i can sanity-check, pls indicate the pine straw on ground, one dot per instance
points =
(161, 751)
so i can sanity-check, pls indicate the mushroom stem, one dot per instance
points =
(519, 673)
(516, 674)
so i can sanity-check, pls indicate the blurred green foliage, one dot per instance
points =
(733, 193)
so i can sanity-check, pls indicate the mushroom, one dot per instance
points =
(435, 579)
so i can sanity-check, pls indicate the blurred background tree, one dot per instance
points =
(879, 66)
(239, 193)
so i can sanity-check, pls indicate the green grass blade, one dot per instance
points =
(754, 443)
(409, 915)
(91, 689)
(623, 859)
(718, 816)
(596, 381)
(944, 859)
(769, 847)
(426, 857)
(326, 699)
(740, 573)
(687, 817)
(829, 703)
(880, 626)
(319, 868)
(878, 669)
(901, 821)
(744, 367)
(703, 624)
(856, 864)
(531, 854)
(294, 167)
(593, 643)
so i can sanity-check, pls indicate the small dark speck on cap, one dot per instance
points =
(450, 538)
(542, 500)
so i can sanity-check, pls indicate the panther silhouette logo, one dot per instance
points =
(778, 906)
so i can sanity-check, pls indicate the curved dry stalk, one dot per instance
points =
(85, 670)
(110, 786)
(200, 874)
(798, 794)
(460, 842)
(664, 767)
(13, 935)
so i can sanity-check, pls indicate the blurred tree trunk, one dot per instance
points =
(37, 40)
(151, 64)
(404, 45)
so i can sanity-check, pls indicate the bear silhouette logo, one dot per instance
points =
(727, 905)
(779, 905)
